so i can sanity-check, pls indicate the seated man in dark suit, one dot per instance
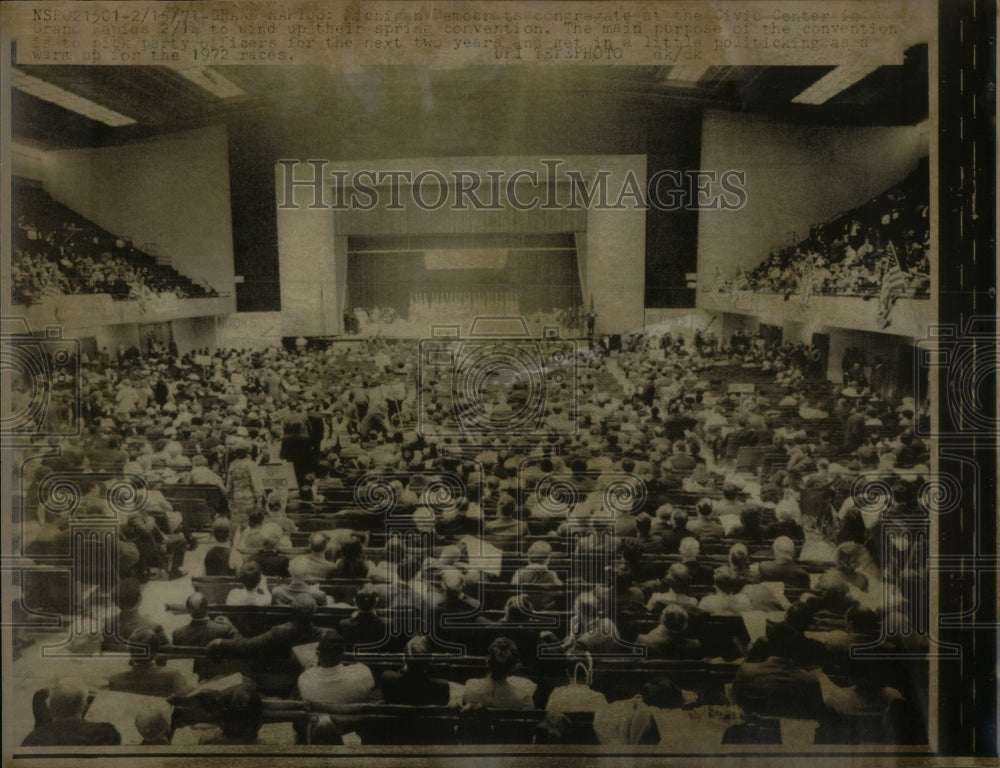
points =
(67, 728)
(788, 639)
(272, 563)
(775, 679)
(726, 600)
(783, 568)
(129, 619)
(452, 598)
(649, 543)
(147, 678)
(316, 562)
(413, 684)
(201, 630)
(785, 525)
(364, 626)
(705, 525)
(729, 504)
(284, 594)
(278, 641)
(669, 639)
(456, 522)
(701, 573)
(508, 526)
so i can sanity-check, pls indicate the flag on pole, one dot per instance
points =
(893, 286)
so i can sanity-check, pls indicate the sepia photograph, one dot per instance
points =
(500, 382)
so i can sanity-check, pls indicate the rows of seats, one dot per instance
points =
(57, 251)
(725, 640)
(849, 254)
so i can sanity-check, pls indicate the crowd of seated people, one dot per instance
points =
(494, 591)
(423, 309)
(57, 252)
(851, 255)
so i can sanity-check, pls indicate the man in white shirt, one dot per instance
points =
(333, 683)
(254, 589)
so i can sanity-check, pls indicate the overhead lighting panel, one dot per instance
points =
(686, 74)
(833, 82)
(63, 98)
(211, 81)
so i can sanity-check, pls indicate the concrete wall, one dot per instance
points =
(172, 191)
(250, 330)
(796, 176)
(195, 333)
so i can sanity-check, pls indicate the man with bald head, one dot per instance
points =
(67, 728)
(784, 568)
(145, 676)
(316, 566)
(284, 594)
(453, 599)
(202, 630)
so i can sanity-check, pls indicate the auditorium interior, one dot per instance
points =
(298, 473)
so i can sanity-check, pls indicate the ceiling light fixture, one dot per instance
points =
(63, 98)
(211, 81)
(834, 82)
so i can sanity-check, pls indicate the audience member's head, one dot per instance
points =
(643, 524)
(325, 731)
(501, 658)
(799, 616)
(303, 608)
(553, 729)
(417, 654)
(674, 619)
(352, 550)
(318, 542)
(144, 644)
(298, 570)
(862, 620)
(197, 605)
(67, 699)
(739, 556)
(679, 578)
(331, 650)
(366, 598)
(539, 553)
(153, 724)
(849, 556)
(726, 580)
(452, 582)
(689, 548)
(129, 594)
(517, 609)
(783, 548)
(449, 555)
(270, 536)
(221, 529)
(250, 575)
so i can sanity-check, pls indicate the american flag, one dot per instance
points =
(893, 286)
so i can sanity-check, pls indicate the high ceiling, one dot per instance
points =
(397, 111)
